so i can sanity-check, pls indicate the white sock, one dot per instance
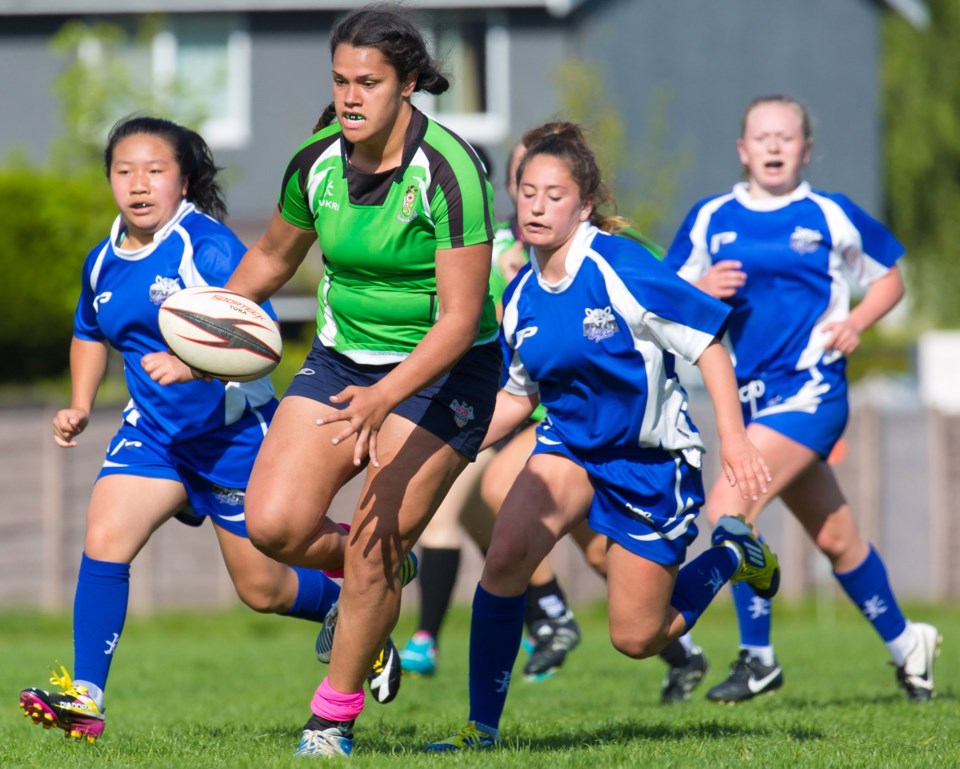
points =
(763, 653)
(94, 692)
(902, 645)
(686, 641)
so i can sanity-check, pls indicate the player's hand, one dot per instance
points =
(744, 466)
(364, 414)
(166, 368)
(842, 337)
(723, 279)
(512, 260)
(67, 425)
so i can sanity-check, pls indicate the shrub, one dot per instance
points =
(50, 223)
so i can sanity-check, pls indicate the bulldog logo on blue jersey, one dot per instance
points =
(163, 288)
(805, 241)
(599, 324)
(225, 496)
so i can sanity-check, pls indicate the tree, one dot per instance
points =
(922, 156)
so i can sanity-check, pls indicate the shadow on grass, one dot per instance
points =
(635, 732)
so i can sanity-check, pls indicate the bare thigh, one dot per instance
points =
(297, 474)
(551, 495)
(124, 511)
(642, 620)
(815, 499)
(461, 506)
(786, 459)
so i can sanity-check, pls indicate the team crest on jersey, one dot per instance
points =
(599, 324)
(462, 413)
(163, 288)
(407, 211)
(225, 496)
(805, 241)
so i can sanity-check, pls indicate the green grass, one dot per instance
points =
(232, 690)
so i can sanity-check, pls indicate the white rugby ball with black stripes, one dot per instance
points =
(220, 333)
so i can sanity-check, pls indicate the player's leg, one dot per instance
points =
(818, 503)
(297, 473)
(552, 630)
(124, 511)
(551, 494)
(756, 669)
(440, 546)
(416, 470)
(270, 587)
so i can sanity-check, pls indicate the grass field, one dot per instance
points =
(232, 690)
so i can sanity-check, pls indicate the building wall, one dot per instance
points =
(697, 76)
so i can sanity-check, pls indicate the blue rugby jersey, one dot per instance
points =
(795, 250)
(120, 296)
(599, 346)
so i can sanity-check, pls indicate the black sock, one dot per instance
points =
(674, 654)
(545, 602)
(317, 723)
(438, 575)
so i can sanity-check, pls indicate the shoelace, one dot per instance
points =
(64, 682)
(470, 735)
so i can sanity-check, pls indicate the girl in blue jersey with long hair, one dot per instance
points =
(776, 252)
(185, 447)
(591, 328)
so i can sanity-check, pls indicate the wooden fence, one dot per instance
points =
(901, 473)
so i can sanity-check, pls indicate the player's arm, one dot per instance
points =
(881, 297)
(742, 463)
(272, 260)
(510, 413)
(88, 365)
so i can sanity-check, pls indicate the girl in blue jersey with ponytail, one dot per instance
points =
(185, 447)
(776, 252)
(590, 329)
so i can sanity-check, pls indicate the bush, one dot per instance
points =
(50, 223)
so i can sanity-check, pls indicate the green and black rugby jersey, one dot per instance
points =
(379, 233)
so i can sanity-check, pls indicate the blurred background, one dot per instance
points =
(662, 87)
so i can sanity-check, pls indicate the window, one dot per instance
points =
(197, 69)
(473, 50)
(205, 63)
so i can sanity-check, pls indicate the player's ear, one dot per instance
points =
(586, 208)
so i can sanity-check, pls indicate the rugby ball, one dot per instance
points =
(220, 333)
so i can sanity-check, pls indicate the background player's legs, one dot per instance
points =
(816, 500)
(440, 546)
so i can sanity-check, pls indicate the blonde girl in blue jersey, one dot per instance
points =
(590, 329)
(185, 448)
(776, 251)
(403, 374)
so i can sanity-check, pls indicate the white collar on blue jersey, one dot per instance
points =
(769, 204)
(186, 207)
(577, 252)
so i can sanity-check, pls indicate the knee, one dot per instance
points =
(503, 561)
(274, 536)
(836, 545)
(261, 595)
(638, 643)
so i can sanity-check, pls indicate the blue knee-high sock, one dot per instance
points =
(99, 611)
(496, 629)
(316, 593)
(753, 615)
(700, 580)
(869, 588)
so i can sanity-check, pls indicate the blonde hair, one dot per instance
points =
(566, 141)
(786, 101)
